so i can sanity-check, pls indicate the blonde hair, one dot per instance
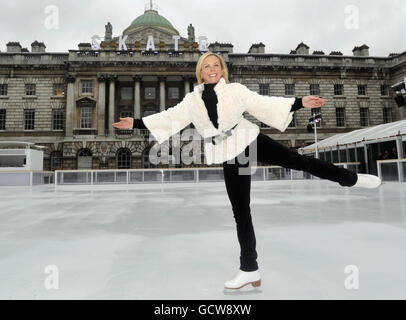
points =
(224, 69)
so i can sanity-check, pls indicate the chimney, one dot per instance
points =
(13, 47)
(362, 51)
(257, 48)
(37, 47)
(336, 53)
(216, 46)
(302, 48)
(85, 46)
(318, 52)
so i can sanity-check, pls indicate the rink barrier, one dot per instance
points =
(25, 177)
(388, 170)
(174, 175)
(392, 170)
(169, 175)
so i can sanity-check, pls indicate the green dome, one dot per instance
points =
(151, 18)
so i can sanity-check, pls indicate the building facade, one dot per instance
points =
(67, 102)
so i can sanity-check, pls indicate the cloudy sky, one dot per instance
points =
(281, 25)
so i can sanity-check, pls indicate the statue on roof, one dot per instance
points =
(191, 33)
(109, 32)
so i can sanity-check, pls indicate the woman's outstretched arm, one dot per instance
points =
(164, 124)
(130, 123)
(298, 104)
(276, 112)
(139, 124)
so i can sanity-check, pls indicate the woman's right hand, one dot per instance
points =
(125, 123)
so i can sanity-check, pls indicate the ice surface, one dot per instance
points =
(178, 241)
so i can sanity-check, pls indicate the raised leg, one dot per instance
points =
(271, 152)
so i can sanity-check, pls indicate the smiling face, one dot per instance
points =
(211, 69)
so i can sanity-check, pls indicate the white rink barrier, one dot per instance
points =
(152, 175)
(26, 178)
(392, 170)
(169, 175)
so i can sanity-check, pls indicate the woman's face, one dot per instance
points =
(211, 69)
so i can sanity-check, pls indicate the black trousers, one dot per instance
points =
(238, 185)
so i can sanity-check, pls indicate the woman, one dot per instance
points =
(215, 107)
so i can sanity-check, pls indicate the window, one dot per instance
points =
(314, 112)
(364, 118)
(87, 86)
(3, 89)
(289, 89)
(340, 117)
(338, 89)
(264, 89)
(173, 93)
(145, 160)
(362, 89)
(57, 119)
(30, 89)
(314, 89)
(29, 119)
(387, 114)
(124, 159)
(85, 117)
(126, 93)
(58, 89)
(384, 90)
(292, 124)
(2, 119)
(150, 93)
(148, 112)
(125, 114)
(56, 160)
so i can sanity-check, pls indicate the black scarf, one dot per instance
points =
(210, 101)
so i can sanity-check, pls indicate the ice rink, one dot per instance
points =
(179, 241)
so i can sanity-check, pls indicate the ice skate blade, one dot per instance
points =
(253, 283)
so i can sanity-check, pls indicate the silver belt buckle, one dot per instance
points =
(220, 137)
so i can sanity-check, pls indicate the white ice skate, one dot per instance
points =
(242, 278)
(367, 181)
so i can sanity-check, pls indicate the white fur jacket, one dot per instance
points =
(233, 100)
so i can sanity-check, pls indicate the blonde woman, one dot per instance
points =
(215, 107)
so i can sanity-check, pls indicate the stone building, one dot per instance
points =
(67, 102)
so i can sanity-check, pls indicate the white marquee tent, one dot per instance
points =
(376, 134)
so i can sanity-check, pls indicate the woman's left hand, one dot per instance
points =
(312, 102)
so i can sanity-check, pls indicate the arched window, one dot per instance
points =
(55, 160)
(84, 159)
(123, 159)
(145, 159)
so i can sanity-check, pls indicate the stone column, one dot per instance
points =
(70, 105)
(112, 95)
(162, 102)
(137, 97)
(101, 106)
(186, 79)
